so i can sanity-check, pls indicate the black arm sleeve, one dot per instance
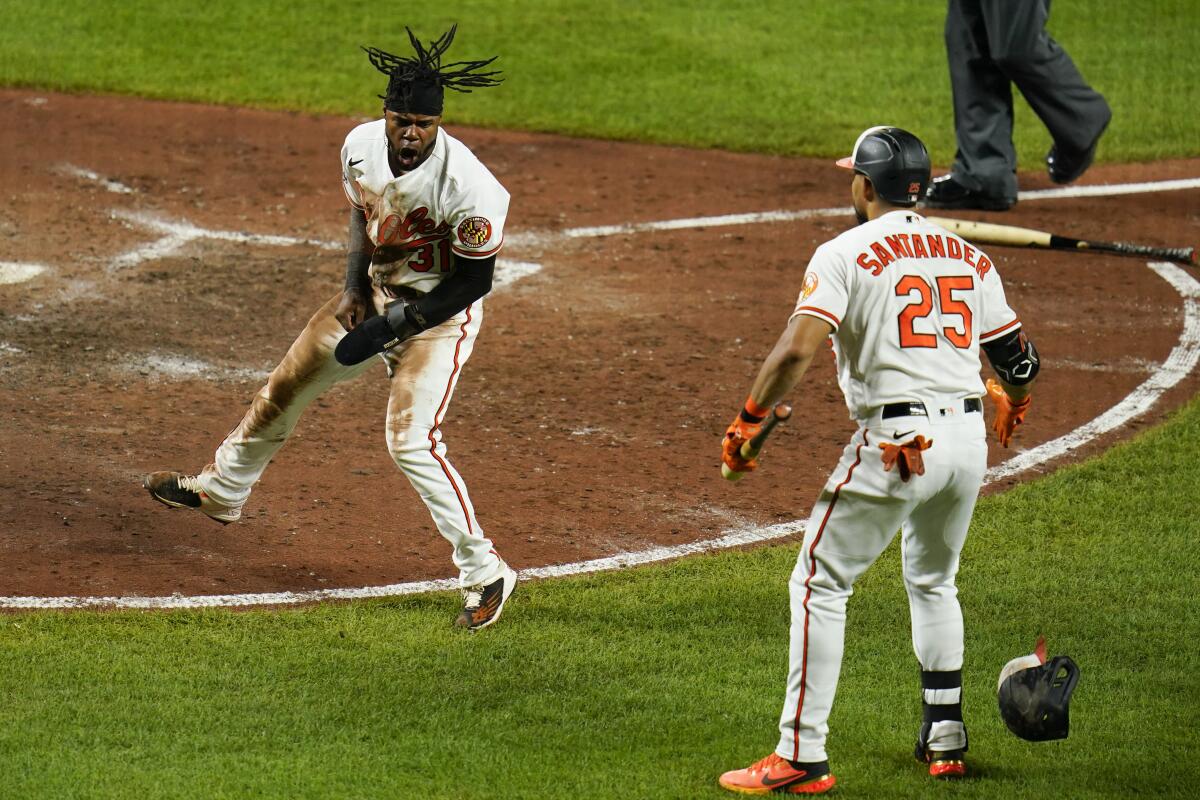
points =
(471, 280)
(358, 252)
(1014, 358)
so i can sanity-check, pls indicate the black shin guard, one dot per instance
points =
(938, 712)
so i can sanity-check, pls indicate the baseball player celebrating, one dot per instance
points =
(426, 222)
(908, 306)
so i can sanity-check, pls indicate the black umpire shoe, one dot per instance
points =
(1066, 165)
(946, 192)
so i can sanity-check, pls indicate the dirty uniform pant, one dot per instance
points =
(423, 371)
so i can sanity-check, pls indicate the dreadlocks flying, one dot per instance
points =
(416, 85)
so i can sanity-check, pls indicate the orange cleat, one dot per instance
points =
(946, 765)
(775, 774)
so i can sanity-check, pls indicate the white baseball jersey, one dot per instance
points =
(940, 297)
(450, 203)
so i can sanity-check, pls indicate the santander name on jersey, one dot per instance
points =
(910, 304)
(451, 203)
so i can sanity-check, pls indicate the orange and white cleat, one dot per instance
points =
(775, 774)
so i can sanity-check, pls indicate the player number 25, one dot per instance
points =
(922, 306)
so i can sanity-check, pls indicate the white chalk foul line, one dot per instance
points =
(19, 272)
(543, 238)
(177, 234)
(116, 187)
(1111, 189)
(1181, 361)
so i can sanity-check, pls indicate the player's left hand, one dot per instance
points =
(739, 432)
(353, 308)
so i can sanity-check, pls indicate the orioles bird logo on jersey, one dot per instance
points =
(810, 286)
(474, 231)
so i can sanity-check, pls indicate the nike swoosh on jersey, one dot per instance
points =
(899, 435)
(354, 162)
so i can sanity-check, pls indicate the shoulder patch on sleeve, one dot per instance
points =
(810, 285)
(474, 232)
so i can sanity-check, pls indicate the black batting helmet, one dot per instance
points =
(1034, 694)
(896, 162)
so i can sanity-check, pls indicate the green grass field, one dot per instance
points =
(800, 77)
(647, 683)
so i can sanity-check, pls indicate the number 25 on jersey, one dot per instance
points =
(917, 288)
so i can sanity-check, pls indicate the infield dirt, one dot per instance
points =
(586, 423)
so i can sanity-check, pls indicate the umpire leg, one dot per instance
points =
(986, 160)
(1073, 112)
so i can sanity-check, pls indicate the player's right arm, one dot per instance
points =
(1016, 363)
(355, 305)
(1012, 356)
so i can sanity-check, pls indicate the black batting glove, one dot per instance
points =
(376, 335)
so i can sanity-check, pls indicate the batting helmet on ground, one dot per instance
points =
(1034, 694)
(895, 161)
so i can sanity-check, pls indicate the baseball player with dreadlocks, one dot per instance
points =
(908, 307)
(426, 221)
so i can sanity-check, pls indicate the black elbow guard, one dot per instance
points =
(1014, 358)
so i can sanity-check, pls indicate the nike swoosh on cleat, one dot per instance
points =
(767, 781)
(902, 435)
(354, 162)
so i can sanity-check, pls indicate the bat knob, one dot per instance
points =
(731, 475)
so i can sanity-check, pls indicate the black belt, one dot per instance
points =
(970, 405)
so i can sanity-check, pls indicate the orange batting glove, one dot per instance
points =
(907, 457)
(1008, 414)
(745, 426)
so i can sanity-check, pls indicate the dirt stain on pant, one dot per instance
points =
(306, 358)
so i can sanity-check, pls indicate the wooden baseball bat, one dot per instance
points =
(752, 448)
(991, 233)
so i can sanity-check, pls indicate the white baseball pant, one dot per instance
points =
(423, 371)
(858, 512)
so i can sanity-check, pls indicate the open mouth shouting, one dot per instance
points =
(408, 156)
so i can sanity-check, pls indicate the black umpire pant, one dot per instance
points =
(992, 44)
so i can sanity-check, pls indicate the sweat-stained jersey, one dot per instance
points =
(910, 303)
(450, 203)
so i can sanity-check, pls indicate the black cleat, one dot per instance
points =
(177, 490)
(483, 604)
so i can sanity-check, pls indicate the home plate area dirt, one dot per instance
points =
(587, 422)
